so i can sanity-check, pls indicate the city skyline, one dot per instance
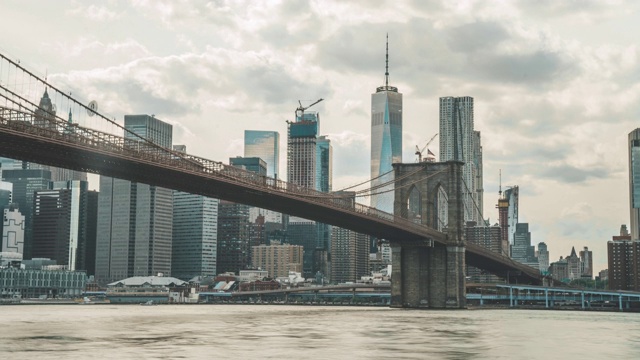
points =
(554, 89)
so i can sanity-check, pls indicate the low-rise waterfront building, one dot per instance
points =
(37, 283)
(142, 289)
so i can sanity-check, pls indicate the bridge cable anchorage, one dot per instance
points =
(71, 99)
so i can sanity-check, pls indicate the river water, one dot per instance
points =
(310, 332)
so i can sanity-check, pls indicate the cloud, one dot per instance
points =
(229, 80)
(94, 13)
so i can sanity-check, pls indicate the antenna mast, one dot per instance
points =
(386, 73)
(500, 188)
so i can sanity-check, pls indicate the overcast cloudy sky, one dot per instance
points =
(556, 84)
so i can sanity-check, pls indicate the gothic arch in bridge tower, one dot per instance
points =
(429, 274)
(414, 205)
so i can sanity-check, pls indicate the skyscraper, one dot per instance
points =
(522, 251)
(477, 163)
(135, 220)
(624, 262)
(386, 139)
(586, 263)
(234, 234)
(265, 145)
(349, 255)
(512, 196)
(459, 141)
(254, 164)
(634, 182)
(302, 149)
(60, 223)
(324, 163)
(25, 183)
(278, 259)
(309, 165)
(543, 258)
(6, 190)
(12, 230)
(490, 238)
(195, 234)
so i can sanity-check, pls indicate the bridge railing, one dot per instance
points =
(58, 129)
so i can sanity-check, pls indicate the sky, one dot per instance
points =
(556, 84)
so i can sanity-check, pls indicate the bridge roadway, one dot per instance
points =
(74, 147)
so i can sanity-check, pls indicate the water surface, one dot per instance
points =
(310, 332)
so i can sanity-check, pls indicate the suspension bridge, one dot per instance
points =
(94, 143)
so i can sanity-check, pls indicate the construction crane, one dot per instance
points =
(300, 110)
(420, 151)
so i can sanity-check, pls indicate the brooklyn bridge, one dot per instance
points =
(428, 264)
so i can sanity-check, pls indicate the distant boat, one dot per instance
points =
(86, 301)
(149, 303)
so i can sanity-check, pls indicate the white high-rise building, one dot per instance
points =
(12, 230)
(459, 141)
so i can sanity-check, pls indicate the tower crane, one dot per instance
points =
(420, 151)
(300, 110)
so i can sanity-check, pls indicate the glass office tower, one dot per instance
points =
(265, 145)
(634, 182)
(386, 140)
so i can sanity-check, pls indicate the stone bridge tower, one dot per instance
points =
(430, 274)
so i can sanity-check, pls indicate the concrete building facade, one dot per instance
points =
(278, 259)
(459, 141)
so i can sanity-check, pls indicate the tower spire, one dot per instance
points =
(500, 188)
(386, 73)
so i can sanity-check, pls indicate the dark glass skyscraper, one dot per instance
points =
(386, 139)
(60, 222)
(135, 220)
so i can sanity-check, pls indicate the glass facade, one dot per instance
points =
(265, 145)
(302, 150)
(324, 153)
(254, 164)
(60, 223)
(195, 235)
(135, 221)
(386, 143)
(634, 182)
